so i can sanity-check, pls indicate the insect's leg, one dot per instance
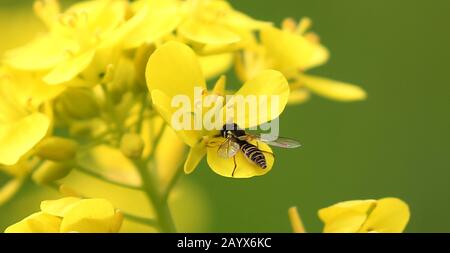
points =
(235, 166)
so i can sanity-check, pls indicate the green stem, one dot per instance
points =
(173, 181)
(141, 114)
(139, 219)
(149, 186)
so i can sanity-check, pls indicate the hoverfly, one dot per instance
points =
(238, 140)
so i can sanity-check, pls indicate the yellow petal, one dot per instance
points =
(89, 215)
(347, 222)
(42, 53)
(207, 32)
(162, 18)
(331, 89)
(59, 207)
(8, 190)
(162, 104)
(215, 65)
(70, 68)
(102, 16)
(195, 155)
(216, 22)
(125, 31)
(36, 223)
(298, 96)
(292, 52)
(17, 138)
(271, 90)
(174, 70)
(346, 217)
(244, 167)
(391, 215)
(241, 21)
(25, 88)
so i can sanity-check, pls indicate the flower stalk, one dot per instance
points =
(156, 197)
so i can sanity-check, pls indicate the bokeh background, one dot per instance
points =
(397, 143)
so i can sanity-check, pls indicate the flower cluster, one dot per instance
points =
(94, 95)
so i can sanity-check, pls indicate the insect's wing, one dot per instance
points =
(284, 143)
(228, 149)
(281, 142)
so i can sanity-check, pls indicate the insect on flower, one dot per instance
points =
(236, 139)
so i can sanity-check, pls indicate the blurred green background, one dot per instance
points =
(397, 143)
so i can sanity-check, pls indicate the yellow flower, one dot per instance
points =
(71, 214)
(387, 215)
(23, 121)
(206, 22)
(75, 37)
(173, 69)
(215, 22)
(293, 50)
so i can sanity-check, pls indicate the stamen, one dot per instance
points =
(304, 25)
(289, 25)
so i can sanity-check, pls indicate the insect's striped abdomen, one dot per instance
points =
(254, 154)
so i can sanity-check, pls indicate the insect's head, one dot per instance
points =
(231, 129)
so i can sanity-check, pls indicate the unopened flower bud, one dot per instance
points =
(51, 171)
(68, 192)
(132, 145)
(80, 129)
(57, 149)
(79, 103)
(122, 81)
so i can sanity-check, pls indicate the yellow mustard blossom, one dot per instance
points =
(174, 69)
(293, 50)
(71, 214)
(86, 30)
(215, 22)
(206, 22)
(387, 215)
(23, 121)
